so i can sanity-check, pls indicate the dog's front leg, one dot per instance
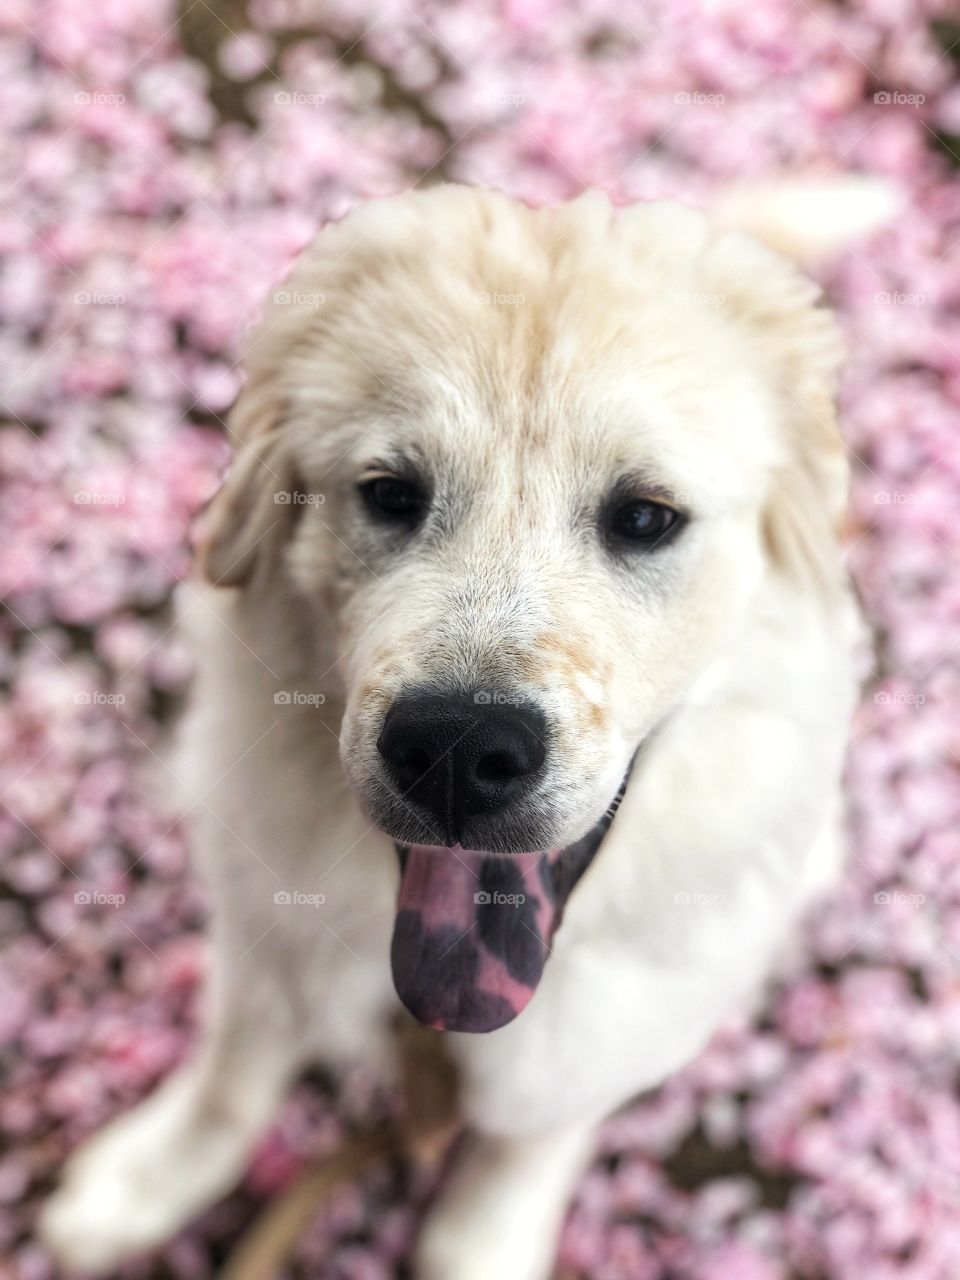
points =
(135, 1184)
(500, 1215)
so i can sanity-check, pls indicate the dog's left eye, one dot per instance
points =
(391, 498)
(643, 523)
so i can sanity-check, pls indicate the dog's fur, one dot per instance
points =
(529, 359)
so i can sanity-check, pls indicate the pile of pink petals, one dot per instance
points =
(140, 227)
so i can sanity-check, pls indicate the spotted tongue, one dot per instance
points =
(471, 936)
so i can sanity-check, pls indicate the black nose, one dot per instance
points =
(462, 756)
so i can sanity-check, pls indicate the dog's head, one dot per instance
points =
(526, 469)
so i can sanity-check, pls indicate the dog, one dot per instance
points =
(525, 664)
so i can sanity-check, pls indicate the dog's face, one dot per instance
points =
(537, 463)
(544, 536)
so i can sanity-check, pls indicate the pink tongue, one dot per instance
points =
(471, 936)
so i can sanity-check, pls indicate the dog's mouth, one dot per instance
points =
(473, 930)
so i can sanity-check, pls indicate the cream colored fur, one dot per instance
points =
(532, 357)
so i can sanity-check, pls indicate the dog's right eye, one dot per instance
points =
(394, 499)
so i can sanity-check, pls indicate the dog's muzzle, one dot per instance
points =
(463, 762)
(482, 892)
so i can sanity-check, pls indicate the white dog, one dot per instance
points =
(534, 512)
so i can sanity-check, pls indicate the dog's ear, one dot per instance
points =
(806, 505)
(798, 341)
(251, 517)
(808, 219)
(806, 502)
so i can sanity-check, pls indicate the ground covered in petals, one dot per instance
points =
(165, 169)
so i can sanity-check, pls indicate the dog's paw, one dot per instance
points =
(127, 1190)
(136, 1184)
(455, 1250)
(102, 1214)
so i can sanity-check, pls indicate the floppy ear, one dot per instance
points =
(807, 499)
(252, 515)
(808, 218)
(799, 343)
